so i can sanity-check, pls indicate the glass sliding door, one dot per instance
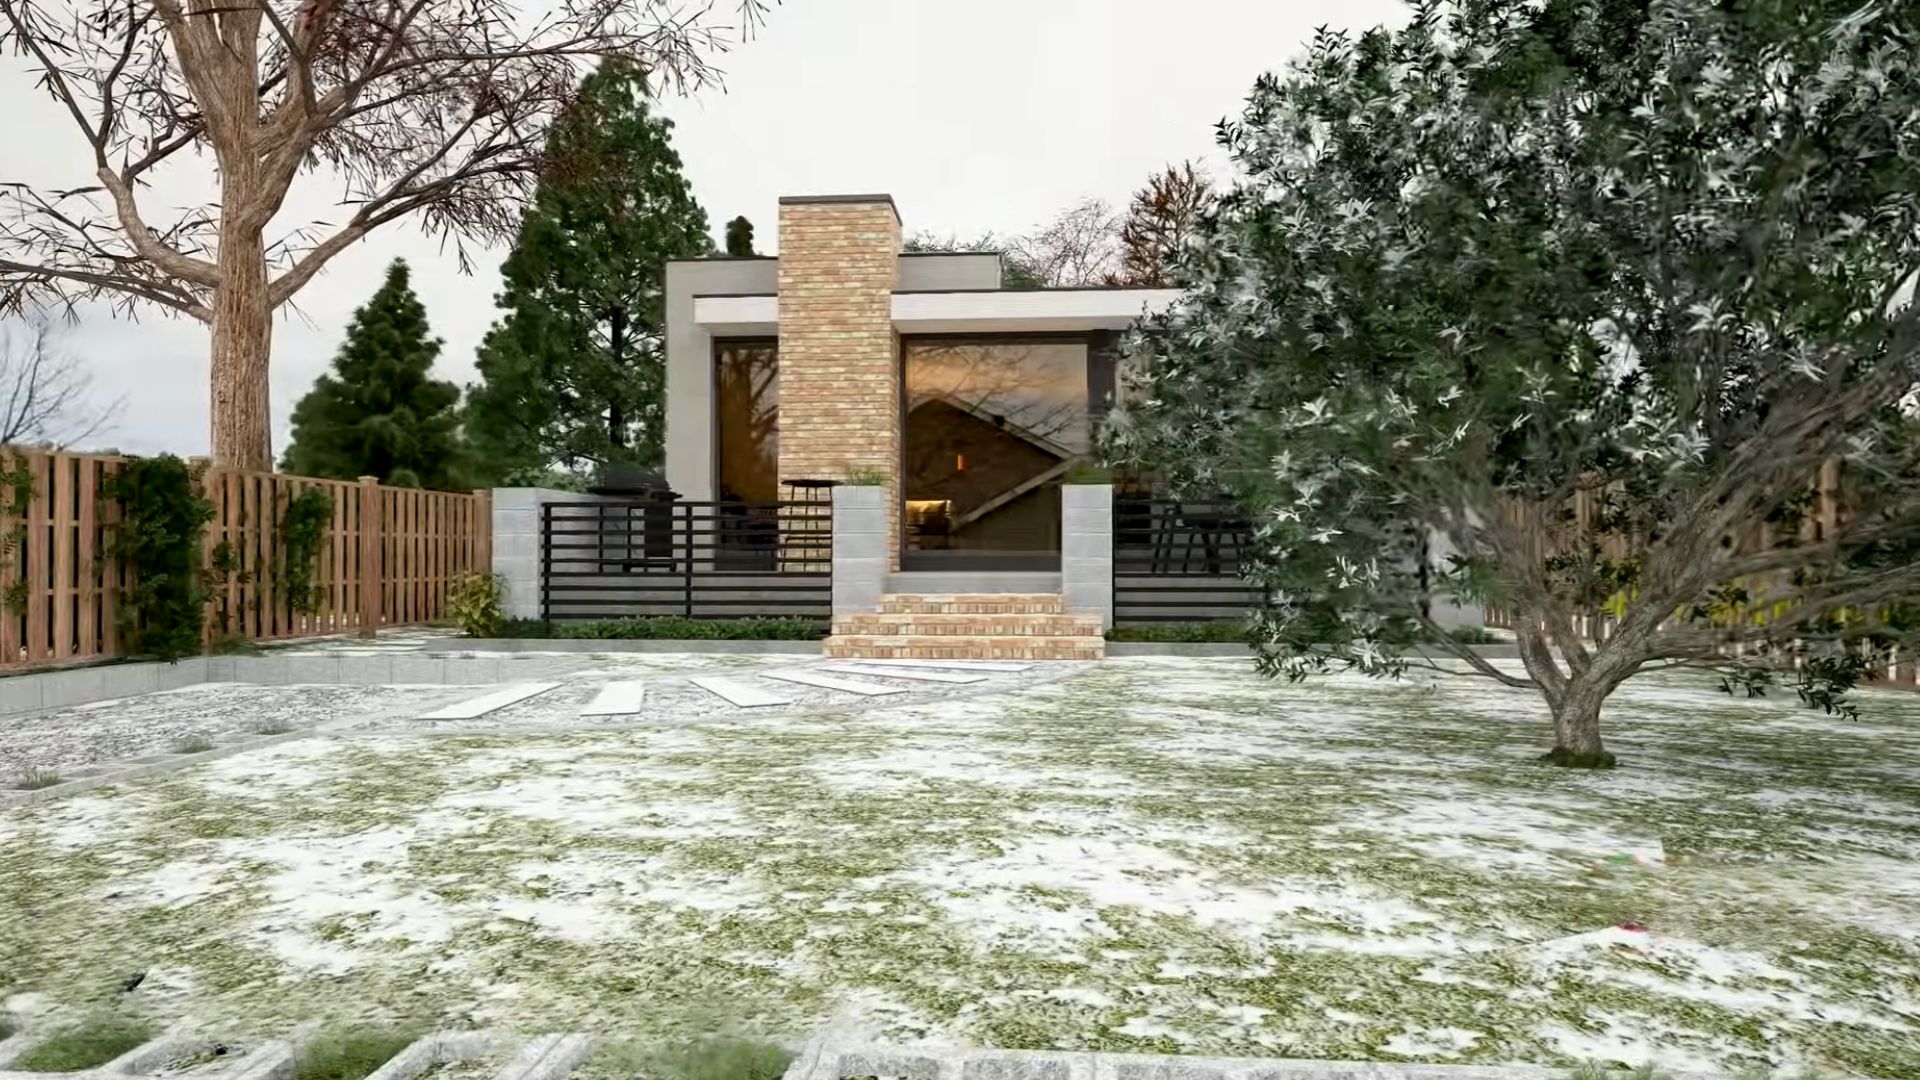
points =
(993, 425)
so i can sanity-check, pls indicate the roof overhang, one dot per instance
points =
(976, 312)
(1025, 311)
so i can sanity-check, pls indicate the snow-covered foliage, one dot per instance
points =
(1655, 259)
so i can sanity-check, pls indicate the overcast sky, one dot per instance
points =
(976, 115)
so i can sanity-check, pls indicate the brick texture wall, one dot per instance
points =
(839, 356)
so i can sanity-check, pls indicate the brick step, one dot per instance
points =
(970, 604)
(953, 647)
(975, 625)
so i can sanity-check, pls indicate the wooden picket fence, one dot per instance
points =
(1895, 670)
(386, 558)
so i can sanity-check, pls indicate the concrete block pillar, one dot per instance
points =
(839, 356)
(1086, 550)
(863, 547)
(516, 544)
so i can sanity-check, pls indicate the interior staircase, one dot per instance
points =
(968, 626)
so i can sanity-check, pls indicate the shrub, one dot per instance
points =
(1232, 630)
(162, 517)
(349, 1054)
(193, 744)
(865, 476)
(474, 601)
(88, 1044)
(303, 528)
(669, 628)
(272, 727)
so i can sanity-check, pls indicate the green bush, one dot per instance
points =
(349, 1054)
(162, 518)
(87, 1044)
(474, 601)
(667, 628)
(1233, 630)
(1473, 635)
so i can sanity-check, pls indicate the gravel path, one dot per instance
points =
(67, 741)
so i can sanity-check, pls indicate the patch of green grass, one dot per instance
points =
(669, 628)
(88, 1044)
(193, 744)
(719, 1058)
(349, 1053)
(35, 779)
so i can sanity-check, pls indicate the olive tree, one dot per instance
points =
(1566, 307)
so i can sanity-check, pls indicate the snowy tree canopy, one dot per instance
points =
(1660, 254)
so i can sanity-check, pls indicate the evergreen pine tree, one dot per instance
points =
(740, 236)
(379, 413)
(573, 374)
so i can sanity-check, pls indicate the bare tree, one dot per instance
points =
(1080, 246)
(1158, 221)
(430, 109)
(44, 391)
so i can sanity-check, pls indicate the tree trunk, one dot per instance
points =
(1576, 727)
(616, 417)
(242, 340)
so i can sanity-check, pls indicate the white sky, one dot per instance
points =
(973, 114)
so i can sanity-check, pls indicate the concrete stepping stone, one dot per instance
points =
(617, 699)
(829, 682)
(958, 665)
(547, 1057)
(914, 674)
(735, 692)
(474, 708)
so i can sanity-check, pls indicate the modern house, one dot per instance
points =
(845, 358)
(888, 435)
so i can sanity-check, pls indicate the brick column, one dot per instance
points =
(839, 356)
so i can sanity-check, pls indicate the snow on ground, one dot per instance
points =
(1168, 855)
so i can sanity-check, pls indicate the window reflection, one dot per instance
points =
(992, 428)
(747, 419)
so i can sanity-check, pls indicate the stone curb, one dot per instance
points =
(462, 646)
(839, 1063)
(438, 1048)
(548, 1057)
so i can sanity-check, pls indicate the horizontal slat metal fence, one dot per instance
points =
(1179, 561)
(706, 560)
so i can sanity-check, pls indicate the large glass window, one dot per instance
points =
(992, 427)
(747, 420)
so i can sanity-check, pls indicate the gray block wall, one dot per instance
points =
(862, 548)
(1086, 550)
(516, 544)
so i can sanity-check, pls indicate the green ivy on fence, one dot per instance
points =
(163, 518)
(303, 527)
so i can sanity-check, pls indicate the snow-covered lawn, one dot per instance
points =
(1168, 855)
